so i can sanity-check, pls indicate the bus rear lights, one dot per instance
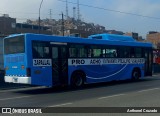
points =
(7, 68)
(22, 67)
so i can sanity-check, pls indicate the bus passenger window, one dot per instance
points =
(138, 52)
(72, 52)
(82, 53)
(96, 53)
(46, 52)
(132, 53)
(40, 50)
(90, 53)
(103, 53)
(127, 52)
(111, 53)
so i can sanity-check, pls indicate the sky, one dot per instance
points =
(113, 14)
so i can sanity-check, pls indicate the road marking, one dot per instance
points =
(155, 75)
(148, 90)
(126, 94)
(61, 105)
(14, 98)
(111, 96)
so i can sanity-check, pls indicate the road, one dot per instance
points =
(144, 93)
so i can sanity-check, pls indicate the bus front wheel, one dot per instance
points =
(77, 79)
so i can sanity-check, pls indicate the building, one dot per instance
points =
(26, 28)
(9, 26)
(132, 34)
(114, 32)
(154, 38)
(78, 33)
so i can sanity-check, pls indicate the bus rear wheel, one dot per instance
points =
(77, 79)
(135, 74)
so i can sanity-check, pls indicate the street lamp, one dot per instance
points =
(39, 16)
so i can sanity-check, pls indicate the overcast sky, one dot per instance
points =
(107, 16)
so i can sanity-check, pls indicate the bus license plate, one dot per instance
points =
(15, 79)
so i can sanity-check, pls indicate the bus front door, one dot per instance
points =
(59, 65)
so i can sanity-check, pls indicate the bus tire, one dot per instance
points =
(77, 79)
(136, 74)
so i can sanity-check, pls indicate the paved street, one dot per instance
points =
(98, 97)
(144, 93)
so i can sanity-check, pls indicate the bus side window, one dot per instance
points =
(111, 53)
(103, 53)
(94, 51)
(90, 53)
(138, 52)
(40, 50)
(46, 52)
(82, 52)
(97, 52)
(127, 53)
(132, 53)
(35, 52)
(72, 52)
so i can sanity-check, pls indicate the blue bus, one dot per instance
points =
(45, 60)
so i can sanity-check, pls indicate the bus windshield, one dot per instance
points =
(14, 45)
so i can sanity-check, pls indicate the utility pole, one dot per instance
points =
(74, 13)
(78, 10)
(67, 10)
(50, 13)
(62, 24)
(39, 22)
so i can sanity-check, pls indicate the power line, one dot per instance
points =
(117, 11)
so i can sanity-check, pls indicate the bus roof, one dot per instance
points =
(106, 39)
(112, 37)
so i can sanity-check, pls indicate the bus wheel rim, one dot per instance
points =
(78, 81)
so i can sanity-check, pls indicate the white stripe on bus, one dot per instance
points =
(108, 75)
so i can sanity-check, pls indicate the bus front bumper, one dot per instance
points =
(14, 79)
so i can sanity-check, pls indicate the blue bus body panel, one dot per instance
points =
(14, 64)
(40, 75)
(109, 72)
